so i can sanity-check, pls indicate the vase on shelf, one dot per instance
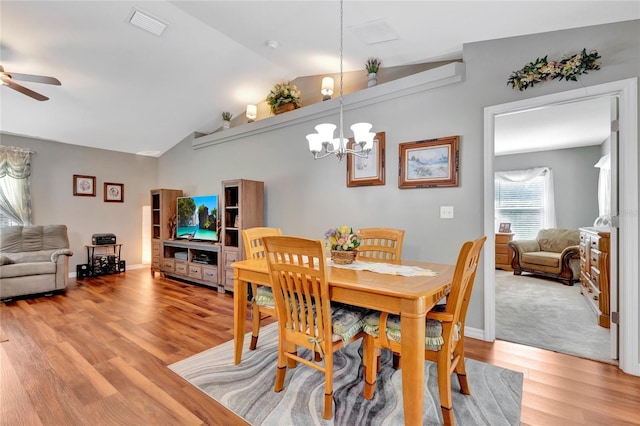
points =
(342, 257)
(283, 108)
(226, 124)
(373, 79)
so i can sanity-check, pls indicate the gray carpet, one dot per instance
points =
(546, 314)
(247, 389)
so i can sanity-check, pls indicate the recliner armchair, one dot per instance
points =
(555, 253)
(34, 259)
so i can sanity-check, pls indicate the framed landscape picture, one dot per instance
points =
(113, 192)
(429, 164)
(84, 186)
(367, 171)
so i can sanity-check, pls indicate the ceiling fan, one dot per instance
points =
(7, 78)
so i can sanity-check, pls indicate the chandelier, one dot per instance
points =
(322, 143)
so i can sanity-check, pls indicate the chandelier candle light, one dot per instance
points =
(322, 143)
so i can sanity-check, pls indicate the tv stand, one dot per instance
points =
(192, 261)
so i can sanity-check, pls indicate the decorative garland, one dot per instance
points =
(566, 68)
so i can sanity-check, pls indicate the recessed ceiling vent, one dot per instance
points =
(374, 32)
(147, 22)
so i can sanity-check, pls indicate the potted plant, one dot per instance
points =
(283, 97)
(226, 120)
(372, 66)
(343, 243)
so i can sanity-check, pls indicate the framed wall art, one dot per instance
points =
(84, 186)
(367, 171)
(113, 192)
(505, 227)
(429, 164)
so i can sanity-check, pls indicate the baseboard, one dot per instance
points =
(474, 333)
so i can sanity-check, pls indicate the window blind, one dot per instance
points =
(522, 205)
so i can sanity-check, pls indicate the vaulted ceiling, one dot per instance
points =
(128, 90)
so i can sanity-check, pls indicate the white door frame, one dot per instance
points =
(627, 92)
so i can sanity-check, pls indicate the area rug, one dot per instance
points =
(247, 389)
(545, 314)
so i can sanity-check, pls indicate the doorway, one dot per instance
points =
(545, 158)
(627, 246)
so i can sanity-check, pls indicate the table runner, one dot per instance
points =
(386, 268)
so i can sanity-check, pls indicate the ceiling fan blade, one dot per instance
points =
(15, 86)
(35, 78)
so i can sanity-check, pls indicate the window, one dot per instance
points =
(15, 186)
(524, 198)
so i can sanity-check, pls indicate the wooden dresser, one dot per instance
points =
(504, 253)
(594, 271)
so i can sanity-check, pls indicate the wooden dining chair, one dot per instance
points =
(381, 245)
(306, 317)
(262, 301)
(444, 334)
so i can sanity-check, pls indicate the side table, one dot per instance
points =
(104, 259)
(504, 253)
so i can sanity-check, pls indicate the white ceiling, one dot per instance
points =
(127, 90)
(569, 125)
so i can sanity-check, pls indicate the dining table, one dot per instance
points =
(411, 297)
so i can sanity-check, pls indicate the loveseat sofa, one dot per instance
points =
(555, 253)
(34, 259)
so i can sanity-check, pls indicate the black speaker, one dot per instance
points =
(123, 265)
(82, 271)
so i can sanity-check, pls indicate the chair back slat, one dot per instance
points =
(252, 239)
(381, 245)
(298, 274)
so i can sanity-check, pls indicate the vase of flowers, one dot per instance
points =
(343, 243)
(283, 97)
(226, 120)
(372, 66)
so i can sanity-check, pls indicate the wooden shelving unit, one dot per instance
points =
(242, 208)
(163, 208)
(192, 261)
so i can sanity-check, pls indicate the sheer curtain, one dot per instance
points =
(604, 185)
(549, 208)
(15, 185)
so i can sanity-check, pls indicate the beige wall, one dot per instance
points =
(53, 167)
(574, 177)
(305, 197)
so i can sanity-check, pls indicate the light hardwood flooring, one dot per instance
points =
(97, 355)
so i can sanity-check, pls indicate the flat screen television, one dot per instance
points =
(197, 218)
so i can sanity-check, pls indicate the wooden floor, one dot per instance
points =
(98, 355)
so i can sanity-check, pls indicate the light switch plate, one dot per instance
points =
(446, 212)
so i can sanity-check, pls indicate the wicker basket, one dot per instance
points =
(343, 257)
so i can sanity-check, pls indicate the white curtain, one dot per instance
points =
(15, 185)
(604, 186)
(549, 209)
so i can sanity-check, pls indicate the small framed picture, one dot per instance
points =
(429, 164)
(84, 186)
(366, 171)
(113, 192)
(505, 227)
